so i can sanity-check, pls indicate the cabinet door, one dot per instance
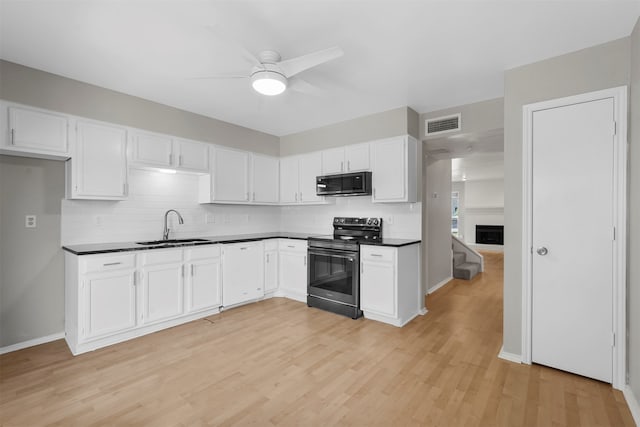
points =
(191, 155)
(289, 180)
(152, 149)
(293, 273)
(264, 176)
(109, 303)
(378, 287)
(38, 131)
(357, 157)
(162, 291)
(204, 285)
(389, 170)
(230, 175)
(243, 273)
(100, 163)
(310, 169)
(270, 270)
(333, 161)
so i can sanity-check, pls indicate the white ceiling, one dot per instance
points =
(477, 167)
(425, 54)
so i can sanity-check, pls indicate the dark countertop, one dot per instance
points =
(393, 242)
(101, 248)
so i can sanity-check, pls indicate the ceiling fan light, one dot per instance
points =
(268, 83)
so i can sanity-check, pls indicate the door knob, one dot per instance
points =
(542, 251)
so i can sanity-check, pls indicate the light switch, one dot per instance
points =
(30, 221)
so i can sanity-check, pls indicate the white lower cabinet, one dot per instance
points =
(114, 297)
(270, 265)
(292, 267)
(109, 302)
(162, 285)
(242, 272)
(390, 288)
(204, 278)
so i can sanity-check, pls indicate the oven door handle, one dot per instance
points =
(347, 255)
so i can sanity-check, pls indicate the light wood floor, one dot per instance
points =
(278, 362)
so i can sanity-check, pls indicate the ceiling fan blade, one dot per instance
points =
(244, 52)
(299, 85)
(220, 76)
(293, 66)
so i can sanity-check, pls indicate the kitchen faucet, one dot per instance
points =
(165, 233)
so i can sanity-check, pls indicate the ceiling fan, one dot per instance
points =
(270, 74)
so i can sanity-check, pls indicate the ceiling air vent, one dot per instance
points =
(442, 125)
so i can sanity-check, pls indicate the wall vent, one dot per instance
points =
(441, 125)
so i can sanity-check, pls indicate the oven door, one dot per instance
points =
(334, 275)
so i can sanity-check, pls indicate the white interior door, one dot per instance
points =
(572, 237)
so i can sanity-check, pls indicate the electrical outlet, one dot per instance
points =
(30, 221)
(389, 220)
(98, 220)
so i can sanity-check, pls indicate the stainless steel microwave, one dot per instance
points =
(345, 184)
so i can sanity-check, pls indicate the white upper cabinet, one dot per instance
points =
(35, 132)
(351, 158)
(357, 157)
(98, 166)
(264, 179)
(394, 170)
(298, 179)
(151, 149)
(289, 180)
(310, 168)
(333, 161)
(191, 155)
(229, 175)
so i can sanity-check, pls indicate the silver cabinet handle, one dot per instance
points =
(296, 196)
(542, 251)
(374, 193)
(191, 270)
(290, 246)
(348, 165)
(305, 260)
(376, 255)
(341, 166)
(112, 263)
(13, 137)
(182, 270)
(267, 258)
(135, 279)
(244, 249)
(180, 160)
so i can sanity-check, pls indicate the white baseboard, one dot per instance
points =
(439, 285)
(511, 357)
(31, 343)
(632, 402)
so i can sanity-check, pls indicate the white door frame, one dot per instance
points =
(619, 95)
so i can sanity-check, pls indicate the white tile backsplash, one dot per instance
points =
(152, 193)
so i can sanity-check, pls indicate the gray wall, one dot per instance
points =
(40, 89)
(399, 121)
(633, 256)
(32, 263)
(599, 67)
(438, 220)
(477, 117)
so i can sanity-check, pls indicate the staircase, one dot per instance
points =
(463, 269)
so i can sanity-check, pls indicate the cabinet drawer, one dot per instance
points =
(377, 253)
(203, 252)
(161, 256)
(97, 263)
(293, 245)
(271, 245)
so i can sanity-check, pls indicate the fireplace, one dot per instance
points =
(490, 234)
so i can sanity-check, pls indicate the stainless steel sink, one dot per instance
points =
(170, 242)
